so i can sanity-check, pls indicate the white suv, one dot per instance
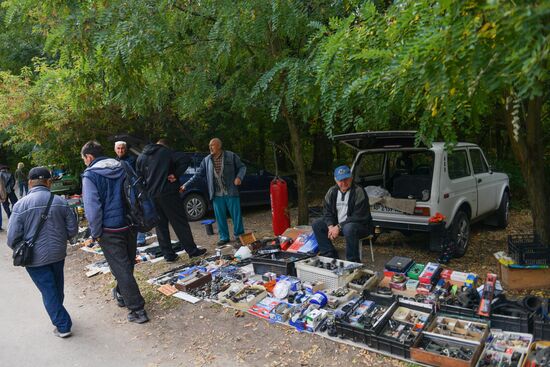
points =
(412, 182)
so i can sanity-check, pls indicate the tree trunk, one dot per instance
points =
(299, 166)
(524, 127)
(322, 153)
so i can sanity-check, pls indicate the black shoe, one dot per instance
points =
(172, 258)
(139, 316)
(222, 243)
(118, 298)
(198, 252)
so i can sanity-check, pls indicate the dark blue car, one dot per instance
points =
(254, 189)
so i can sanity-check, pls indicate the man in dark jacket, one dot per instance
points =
(105, 210)
(121, 150)
(346, 211)
(9, 182)
(160, 169)
(50, 248)
(224, 172)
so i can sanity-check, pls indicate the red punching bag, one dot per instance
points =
(279, 206)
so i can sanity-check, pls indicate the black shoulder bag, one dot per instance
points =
(22, 251)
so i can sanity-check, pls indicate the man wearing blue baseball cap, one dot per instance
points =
(346, 212)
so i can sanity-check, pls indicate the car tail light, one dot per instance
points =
(423, 211)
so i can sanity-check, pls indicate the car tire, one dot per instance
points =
(503, 211)
(195, 206)
(460, 233)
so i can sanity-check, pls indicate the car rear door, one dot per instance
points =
(253, 189)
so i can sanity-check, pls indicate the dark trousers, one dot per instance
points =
(351, 231)
(120, 252)
(49, 281)
(23, 188)
(171, 210)
(6, 204)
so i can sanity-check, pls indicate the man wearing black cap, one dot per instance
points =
(50, 247)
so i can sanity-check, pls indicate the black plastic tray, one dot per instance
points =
(348, 331)
(264, 263)
(541, 328)
(391, 345)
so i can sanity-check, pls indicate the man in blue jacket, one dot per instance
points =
(224, 172)
(105, 210)
(50, 248)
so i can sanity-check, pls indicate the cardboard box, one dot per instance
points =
(523, 278)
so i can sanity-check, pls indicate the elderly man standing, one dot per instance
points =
(50, 247)
(224, 172)
(121, 151)
(346, 211)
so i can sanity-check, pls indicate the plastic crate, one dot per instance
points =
(283, 264)
(310, 273)
(518, 324)
(391, 345)
(541, 328)
(458, 311)
(527, 249)
(360, 335)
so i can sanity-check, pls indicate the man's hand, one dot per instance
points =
(182, 188)
(171, 178)
(237, 181)
(333, 232)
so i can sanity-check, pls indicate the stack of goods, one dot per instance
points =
(419, 312)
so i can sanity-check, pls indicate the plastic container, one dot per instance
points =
(307, 272)
(541, 328)
(391, 345)
(527, 249)
(360, 335)
(280, 263)
(518, 324)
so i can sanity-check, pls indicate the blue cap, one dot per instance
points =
(341, 173)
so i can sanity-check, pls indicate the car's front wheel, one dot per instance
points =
(195, 206)
(460, 233)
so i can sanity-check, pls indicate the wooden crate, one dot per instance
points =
(420, 355)
(523, 278)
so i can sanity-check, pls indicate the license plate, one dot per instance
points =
(385, 209)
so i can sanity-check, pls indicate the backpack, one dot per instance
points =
(140, 208)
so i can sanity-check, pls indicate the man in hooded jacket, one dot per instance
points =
(160, 168)
(104, 206)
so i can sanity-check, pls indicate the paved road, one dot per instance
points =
(26, 337)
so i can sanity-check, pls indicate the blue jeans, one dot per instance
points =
(140, 239)
(231, 204)
(49, 281)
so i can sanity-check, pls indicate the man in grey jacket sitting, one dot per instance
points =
(224, 172)
(50, 248)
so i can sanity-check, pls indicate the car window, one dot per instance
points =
(478, 161)
(411, 163)
(370, 165)
(458, 164)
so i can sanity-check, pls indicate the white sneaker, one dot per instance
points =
(62, 335)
